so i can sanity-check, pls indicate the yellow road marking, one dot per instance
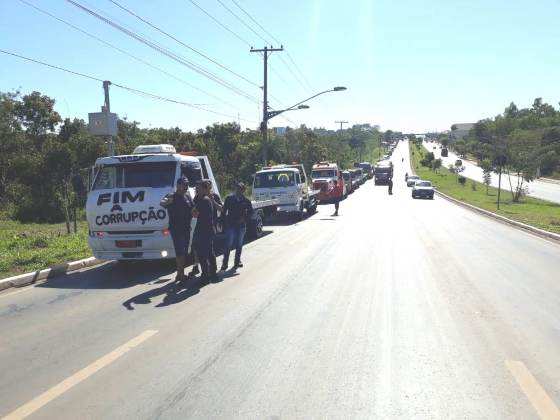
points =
(538, 397)
(59, 389)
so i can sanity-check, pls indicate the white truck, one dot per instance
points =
(126, 221)
(289, 185)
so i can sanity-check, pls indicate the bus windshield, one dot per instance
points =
(136, 175)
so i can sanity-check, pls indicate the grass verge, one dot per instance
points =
(31, 247)
(532, 211)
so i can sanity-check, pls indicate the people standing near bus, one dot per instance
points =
(179, 207)
(217, 206)
(203, 238)
(390, 185)
(237, 211)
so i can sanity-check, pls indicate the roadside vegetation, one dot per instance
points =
(26, 247)
(539, 213)
(524, 142)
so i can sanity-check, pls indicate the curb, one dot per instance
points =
(536, 231)
(56, 270)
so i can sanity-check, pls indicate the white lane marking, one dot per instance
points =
(538, 397)
(59, 389)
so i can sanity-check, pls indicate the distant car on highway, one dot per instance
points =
(423, 189)
(411, 180)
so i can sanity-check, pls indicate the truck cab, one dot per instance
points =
(288, 185)
(367, 168)
(123, 208)
(327, 178)
(383, 172)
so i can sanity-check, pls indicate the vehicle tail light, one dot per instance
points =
(165, 232)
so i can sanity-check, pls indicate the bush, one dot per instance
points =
(462, 180)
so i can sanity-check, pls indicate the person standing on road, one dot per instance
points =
(203, 239)
(179, 206)
(336, 206)
(390, 185)
(217, 207)
(237, 211)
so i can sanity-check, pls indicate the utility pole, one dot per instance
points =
(341, 122)
(107, 109)
(264, 125)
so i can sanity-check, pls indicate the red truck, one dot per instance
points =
(327, 178)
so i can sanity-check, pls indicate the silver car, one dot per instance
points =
(411, 180)
(423, 189)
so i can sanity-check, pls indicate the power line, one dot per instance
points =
(181, 60)
(238, 37)
(52, 66)
(299, 70)
(242, 21)
(265, 40)
(127, 88)
(127, 53)
(275, 39)
(183, 43)
(255, 22)
(235, 34)
(296, 77)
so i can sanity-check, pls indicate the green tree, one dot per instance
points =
(486, 166)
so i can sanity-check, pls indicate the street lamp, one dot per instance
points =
(271, 114)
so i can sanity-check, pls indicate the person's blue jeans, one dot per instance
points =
(234, 238)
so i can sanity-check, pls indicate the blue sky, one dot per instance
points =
(409, 65)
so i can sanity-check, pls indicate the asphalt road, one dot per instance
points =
(398, 308)
(538, 189)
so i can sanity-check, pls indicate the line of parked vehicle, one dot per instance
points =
(126, 221)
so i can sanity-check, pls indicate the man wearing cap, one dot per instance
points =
(179, 206)
(237, 211)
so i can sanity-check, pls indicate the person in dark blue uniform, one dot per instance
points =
(179, 207)
(203, 238)
(237, 211)
(217, 206)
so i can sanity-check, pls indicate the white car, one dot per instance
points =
(423, 189)
(411, 180)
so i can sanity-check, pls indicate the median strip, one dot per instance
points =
(35, 404)
(539, 217)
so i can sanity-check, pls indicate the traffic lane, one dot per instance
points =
(69, 320)
(337, 339)
(342, 318)
(208, 316)
(372, 337)
(537, 189)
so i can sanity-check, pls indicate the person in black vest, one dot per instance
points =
(236, 212)
(203, 238)
(179, 206)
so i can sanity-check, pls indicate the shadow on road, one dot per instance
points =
(175, 292)
(122, 275)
